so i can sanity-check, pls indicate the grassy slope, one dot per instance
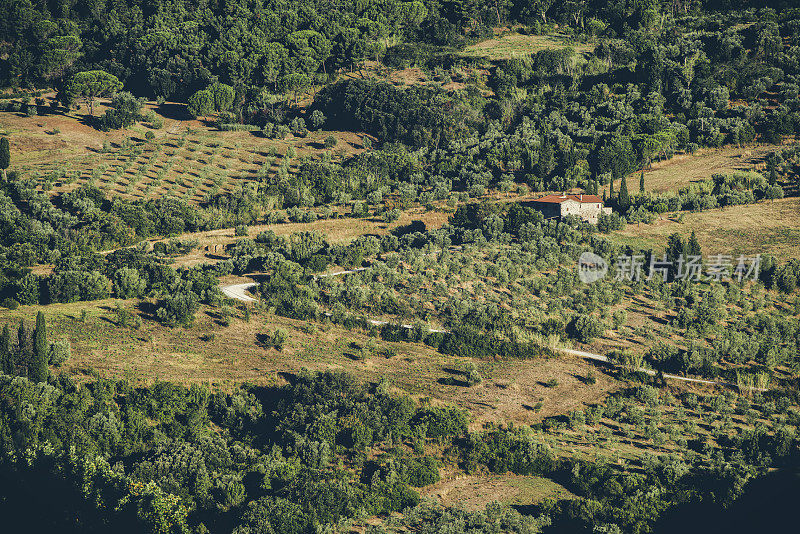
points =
(683, 169)
(513, 45)
(209, 352)
(768, 227)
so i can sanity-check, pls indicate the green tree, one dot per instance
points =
(693, 246)
(128, 283)
(8, 364)
(295, 83)
(126, 109)
(24, 349)
(641, 183)
(38, 369)
(92, 84)
(224, 96)
(5, 156)
(624, 200)
(317, 119)
(201, 103)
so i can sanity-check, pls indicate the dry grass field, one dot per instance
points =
(224, 353)
(472, 492)
(683, 169)
(768, 227)
(513, 45)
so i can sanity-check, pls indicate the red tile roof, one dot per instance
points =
(558, 199)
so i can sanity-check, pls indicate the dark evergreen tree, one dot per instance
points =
(547, 160)
(37, 370)
(624, 200)
(641, 183)
(5, 155)
(24, 348)
(8, 364)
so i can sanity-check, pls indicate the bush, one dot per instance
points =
(60, 351)
(330, 141)
(442, 422)
(591, 377)
(422, 472)
(178, 309)
(73, 286)
(10, 303)
(585, 328)
(278, 338)
(128, 283)
(240, 230)
(390, 216)
(317, 119)
(126, 109)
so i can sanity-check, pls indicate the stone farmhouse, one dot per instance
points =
(587, 207)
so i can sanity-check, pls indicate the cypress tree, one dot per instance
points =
(23, 344)
(38, 369)
(611, 188)
(8, 365)
(5, 155)
(641, 183)
(624, 200)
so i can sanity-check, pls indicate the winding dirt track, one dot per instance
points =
(237, 292)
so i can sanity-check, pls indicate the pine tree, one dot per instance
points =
(611, 188)
(641, 183)
(624, 200)
(8, 365)
(5, 156)
(38, 369)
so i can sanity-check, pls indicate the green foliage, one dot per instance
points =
(201, 103)
(624, 199)
(278, 338)
(317, 119)
(217, 97)
(5, 155)
(126, 110)
(60, 352)
(8, 364)
(178, 309)
(72, 286)
(128, 283)
(37, 369)
(585, 328)
(90, 85)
